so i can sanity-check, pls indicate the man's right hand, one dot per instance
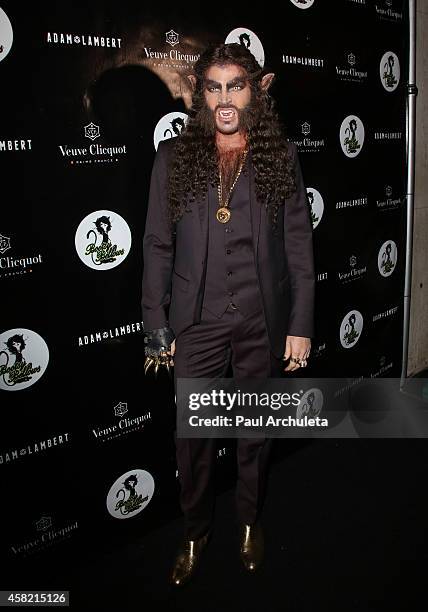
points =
(155, 343)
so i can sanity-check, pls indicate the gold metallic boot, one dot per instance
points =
(187, 559)
(251, 546)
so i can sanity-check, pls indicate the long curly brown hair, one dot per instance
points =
(195, 161)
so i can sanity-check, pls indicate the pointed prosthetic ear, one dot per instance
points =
(266, 81)
(192, 80)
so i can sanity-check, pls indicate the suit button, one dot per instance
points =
(229, 273)
(228, 251)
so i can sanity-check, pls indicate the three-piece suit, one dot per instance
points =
(231, 292)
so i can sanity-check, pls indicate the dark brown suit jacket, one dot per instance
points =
(175, 262)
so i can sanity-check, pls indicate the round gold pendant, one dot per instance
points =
(223, 214)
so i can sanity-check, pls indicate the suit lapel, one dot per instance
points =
(255, 209)
(255, 206)
(203, 216)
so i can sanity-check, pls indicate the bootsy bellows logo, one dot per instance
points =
(169, 126)
(316, 204)
(130, 494)
(24, 357)
(103, 240)
(303, 4)
(352, 135)
(351, 328)
(248, 39)
(6, 35)
(387, 258)
(389, 69)
(310, 404)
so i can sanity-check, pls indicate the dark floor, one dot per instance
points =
(345, 524)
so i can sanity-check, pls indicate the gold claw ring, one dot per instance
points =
(156, 361)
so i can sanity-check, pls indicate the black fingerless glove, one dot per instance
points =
(158, 340)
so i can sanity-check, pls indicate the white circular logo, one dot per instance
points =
(248, 39)
(130, 494)
(24, 357)
(311, 404)
(169, 126)
(303, 4)
(6, 35)
(352, 135)
(351, 328)
(103, 240)
(389, 70)
(387, 258)
(316, 204)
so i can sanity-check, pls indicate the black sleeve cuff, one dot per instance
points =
(158, 340)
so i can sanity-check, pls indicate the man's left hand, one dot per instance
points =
(296, 346)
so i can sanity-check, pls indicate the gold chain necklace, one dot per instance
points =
(223, 212)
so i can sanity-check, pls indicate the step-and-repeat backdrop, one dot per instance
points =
(87, 92)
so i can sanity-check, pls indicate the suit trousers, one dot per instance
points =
(205, 350)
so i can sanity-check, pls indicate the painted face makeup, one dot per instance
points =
(227, 92)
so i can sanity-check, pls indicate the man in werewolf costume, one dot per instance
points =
(228, 272)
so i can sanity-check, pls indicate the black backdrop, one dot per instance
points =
(86, 96)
